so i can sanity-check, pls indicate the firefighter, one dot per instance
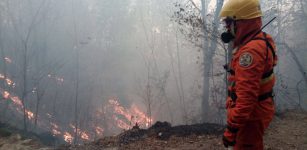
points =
(250, 106)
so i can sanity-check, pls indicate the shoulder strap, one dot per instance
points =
(268, 44)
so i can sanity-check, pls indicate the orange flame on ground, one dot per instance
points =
(99, 130)
(132, 116)
(84, 135)
(55, 129)
(30, 114)
(140, 116)
(120, 123)
(6, 94)
(17, 102)
(67, 137)
(56, 132)
(8, 80)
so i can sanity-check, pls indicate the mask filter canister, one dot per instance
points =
(226, 37)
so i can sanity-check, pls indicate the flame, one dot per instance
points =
(131, 116)
(123, 118)
(56, 132)
(30, 114)
(7, 80)
(53, 125)
(55, 129)
(6, 94)
(121, 124)
(83, 134)
(141, 116)
(119, 109)
(118, 116)
(99, 130)
(16, 100)
(67, 137)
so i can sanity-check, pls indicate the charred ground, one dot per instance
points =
(288, 131)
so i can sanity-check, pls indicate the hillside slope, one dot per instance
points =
(12, 138)
(288, 131)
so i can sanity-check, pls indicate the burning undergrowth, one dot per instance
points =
(116, 115)
(109, 119)
(105, 120)
(160, 131)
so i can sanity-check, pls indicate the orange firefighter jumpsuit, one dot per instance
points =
(250, 106)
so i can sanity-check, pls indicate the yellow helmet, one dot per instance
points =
(241, 9)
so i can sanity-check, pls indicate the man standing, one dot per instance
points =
(250, 106)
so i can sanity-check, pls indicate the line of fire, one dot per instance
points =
(117, 116)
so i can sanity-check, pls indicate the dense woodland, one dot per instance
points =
(86, 69)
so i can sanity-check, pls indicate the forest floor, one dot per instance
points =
(14, 139)
(288, 131)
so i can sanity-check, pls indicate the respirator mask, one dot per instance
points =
(229, 35)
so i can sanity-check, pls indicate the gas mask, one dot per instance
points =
(229, 35)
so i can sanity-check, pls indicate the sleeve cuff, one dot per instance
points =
(232, 129)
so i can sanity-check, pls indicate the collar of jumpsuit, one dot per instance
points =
(246, 29)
